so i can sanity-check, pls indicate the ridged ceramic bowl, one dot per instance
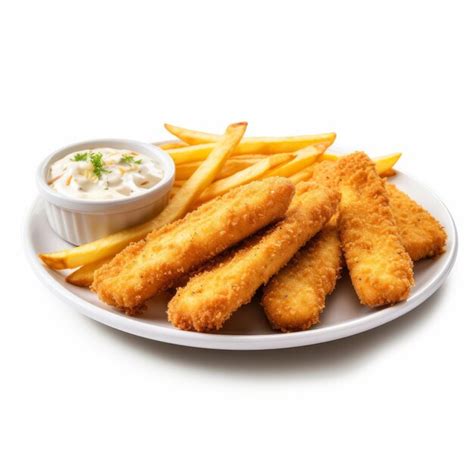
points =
(79, 221)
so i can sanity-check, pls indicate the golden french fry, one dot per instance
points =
(175, 209)
(303, 158)
(259, 145)
(185, 171)
(233, 166)
(84, 275)
(191, 137)
(303, 175)
(242, 177)
(171, 145)
(251, 156)
(230, 167)
(190, 153)
(96, 250)
(279, 158)
(330, 157)
(385, 163)
(388, 173)
(195, 137)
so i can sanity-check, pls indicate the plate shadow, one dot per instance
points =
(328, 359)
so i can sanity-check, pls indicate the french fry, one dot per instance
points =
(388, 173)
(195, 137)
(251, 156)
(190, 153)
(303, 158)
(191, 137)
(84, 275)
(259, 145)
(230, 167)
(386, 163)
(96, 250)
(278, 158)
(170, 145)
(303, 175)
(330, 157)
(242, 177)
(175, 209)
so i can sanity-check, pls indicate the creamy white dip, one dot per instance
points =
(104, 173)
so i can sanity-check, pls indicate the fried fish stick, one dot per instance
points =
(422, 235)
(295, 297)
(209, 298)
(380, 268)
(152, 265)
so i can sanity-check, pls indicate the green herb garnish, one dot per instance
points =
(98, 165)
(130, 160)
(80, 156)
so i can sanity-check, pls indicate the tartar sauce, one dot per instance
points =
(104, 173)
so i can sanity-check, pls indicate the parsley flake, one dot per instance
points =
(80, 156)
(98, 165)
(130, 160)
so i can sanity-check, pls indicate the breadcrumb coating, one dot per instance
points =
(422, 235)
(210, 297)
(153, 265)
(295, 297)
(380, 268)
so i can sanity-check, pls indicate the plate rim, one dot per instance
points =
(243, 342)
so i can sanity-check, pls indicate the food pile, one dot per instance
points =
(281, 213)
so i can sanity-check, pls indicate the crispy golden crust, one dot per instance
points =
(327, 172)
(380, 268)
(210, 297)
(296, 295)
(422, 235)
(152, 265)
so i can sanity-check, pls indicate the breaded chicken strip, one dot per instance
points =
(152, 265)
(380, 268)
(296, 295)
(210, 297)
(422, 235)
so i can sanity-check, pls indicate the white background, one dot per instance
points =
(80, 397)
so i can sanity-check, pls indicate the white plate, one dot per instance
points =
(248, 329)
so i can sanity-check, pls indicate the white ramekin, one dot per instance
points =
(79, 221)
